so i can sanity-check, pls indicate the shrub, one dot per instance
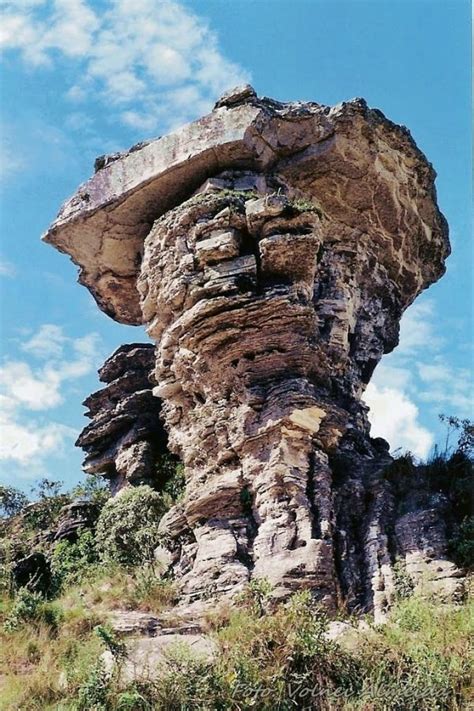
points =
(127, 528)
(132, 700)
(404, 585)
(30, 607)
(73, 562)
(462, 544)
(256, 596)
(170, 478)
(42, 514)
(94, 692)
(112, 642)
(91, 489)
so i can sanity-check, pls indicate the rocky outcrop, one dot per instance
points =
(32, 572)
(271, 250)
(126, 433)
(74, 518)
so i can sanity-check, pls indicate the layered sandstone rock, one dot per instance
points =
(271, 250)
(126, 435)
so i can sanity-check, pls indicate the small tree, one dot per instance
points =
(47, 488)
(12, 501)
(127, 528)
(91, 489)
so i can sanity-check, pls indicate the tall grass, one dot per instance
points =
(276, 660)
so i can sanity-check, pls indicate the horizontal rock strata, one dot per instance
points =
(126, 434)
(271, 250)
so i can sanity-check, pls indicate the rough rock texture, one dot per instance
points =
(148, 657)
(75, 518)
(126, 433)
(290, 238)
(361, 168)
(32, 572)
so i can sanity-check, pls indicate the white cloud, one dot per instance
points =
(10, 160)
(394, 417)
(417, 329)
(26, 389)
(47, 342)
(417, 372)
(33, 391)
(32, 443)
(158, 55)
(451, 388)
(65, 359)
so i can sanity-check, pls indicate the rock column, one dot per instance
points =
(270, 249)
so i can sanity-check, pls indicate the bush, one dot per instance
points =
(92, 489)
(462, 544)
(30, 607)
(93, 694)
(404, 585)
(170, 478)
(73, 562)
(127, 528)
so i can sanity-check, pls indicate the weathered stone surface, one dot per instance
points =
(75, 518)
(133, 622)
(357, 165)
(290, 238)
(147, 658)
(32, 572)
(126, 434)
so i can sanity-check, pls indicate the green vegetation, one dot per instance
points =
(303, 205)
(73, 562)
(127, 529)
(449, 474)
(275, 660)
(268, 657)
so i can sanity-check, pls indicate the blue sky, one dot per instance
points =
(85, 77)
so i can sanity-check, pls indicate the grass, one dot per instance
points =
(267, 660)
(53, 650)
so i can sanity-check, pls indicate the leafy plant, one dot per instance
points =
(73, 562)
(257, 595)
(127, 528)
(404, 585)
(111, 641)
(93, 693)
(171, 479)
(304, 205)
(462, 544)
(31, 607)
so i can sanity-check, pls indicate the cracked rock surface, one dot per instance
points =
(271, 250)
(126, 434)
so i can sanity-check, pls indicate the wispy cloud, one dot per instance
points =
(157, 55)
(28, 438)
(7, 269)
(11, 162)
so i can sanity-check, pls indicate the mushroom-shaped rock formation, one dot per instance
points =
(271, 250)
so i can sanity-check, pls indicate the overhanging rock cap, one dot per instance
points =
(350, 159)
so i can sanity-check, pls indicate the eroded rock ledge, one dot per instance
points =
(126, 435)
(271, 250)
